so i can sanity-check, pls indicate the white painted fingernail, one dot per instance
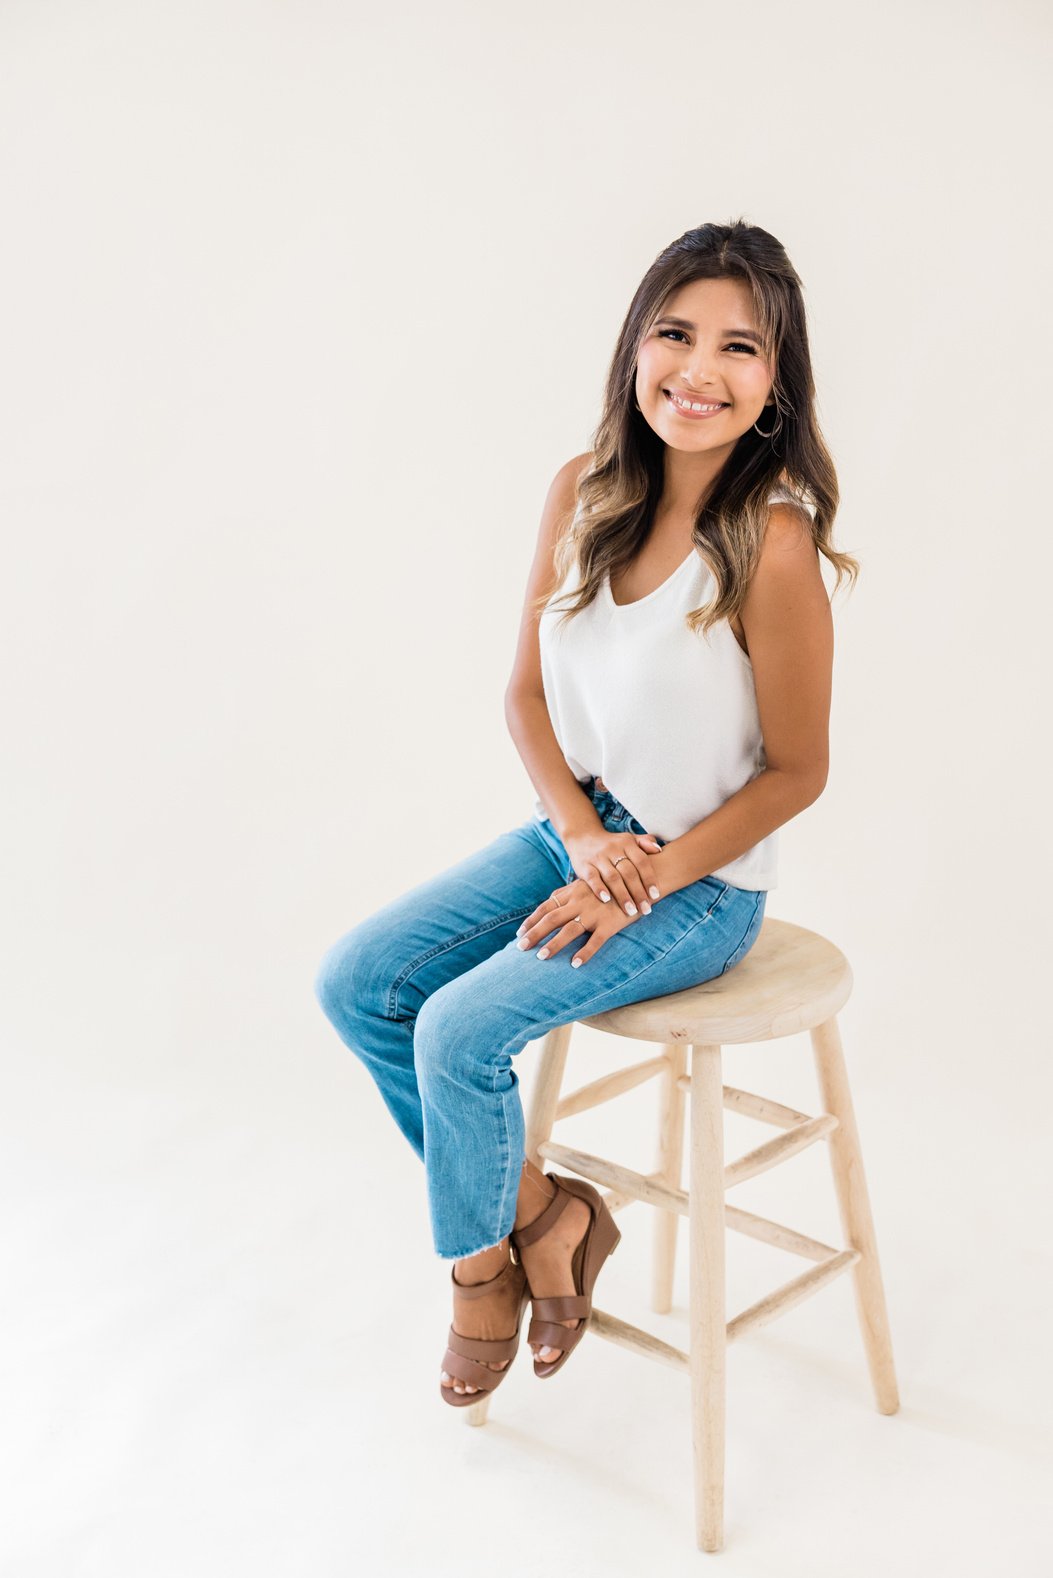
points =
(445, 1377)
(543, 954)
(630, 909)
(605, 897)
(522, 943)
(654, 893)
(645, 909)
(576, 964)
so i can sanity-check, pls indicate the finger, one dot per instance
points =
(543, 917)
(596, 883)
(571, 931)
(646, 869)
(634, 900)
(592, 946)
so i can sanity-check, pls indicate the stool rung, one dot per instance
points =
(775, 1233)
(622, 1179)
(791, 1293)
(772, 1152)
(766, 1309)
(761, 1107)
(618, 1199)
(752, 1106)
(642, 1186)
(611, 1085)
(640, 1341)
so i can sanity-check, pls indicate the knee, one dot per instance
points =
(329, 981)
(431, 1034)
(459, 1038)
(349, 980)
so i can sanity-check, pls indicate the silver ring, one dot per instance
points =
(620, 859)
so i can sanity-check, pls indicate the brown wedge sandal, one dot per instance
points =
(464, 1353)
(601, 1239)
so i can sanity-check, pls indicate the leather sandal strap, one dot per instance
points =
(564, 1306)
(478, 1290)
(524, 1236)
(483, 1347)
(463, 1369)
(551, 1335)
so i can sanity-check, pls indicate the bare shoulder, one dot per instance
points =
(787, 620)
(786, 606)
(556, 515)
(565, 482)
(560, 503)
(789, 528)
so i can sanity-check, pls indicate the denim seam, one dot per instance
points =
(582, 1008)
(745, 934)
(445, 946)
(508, 1174)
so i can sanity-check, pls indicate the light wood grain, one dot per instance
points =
(791, 980)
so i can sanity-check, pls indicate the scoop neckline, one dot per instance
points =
(623, 608)
(779, 488)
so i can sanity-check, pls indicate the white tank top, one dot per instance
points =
(666, 718)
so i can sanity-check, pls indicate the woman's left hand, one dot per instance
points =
(575, 910)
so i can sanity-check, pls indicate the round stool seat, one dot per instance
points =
(792, 979)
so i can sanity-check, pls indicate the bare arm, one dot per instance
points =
(526, 710)
(789, 631)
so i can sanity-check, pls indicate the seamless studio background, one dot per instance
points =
(303, 307)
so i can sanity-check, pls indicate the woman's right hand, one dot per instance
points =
(632, 881)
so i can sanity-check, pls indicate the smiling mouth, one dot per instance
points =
(694, 408)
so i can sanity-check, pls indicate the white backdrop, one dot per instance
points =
(258, 615)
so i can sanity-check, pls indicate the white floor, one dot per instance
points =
(202, 1375)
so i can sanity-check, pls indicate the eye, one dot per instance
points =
(736, 345)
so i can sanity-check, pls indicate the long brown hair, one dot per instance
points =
(619, 492)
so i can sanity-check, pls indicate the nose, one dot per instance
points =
(698, 373)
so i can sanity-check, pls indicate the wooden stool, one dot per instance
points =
(791, 980)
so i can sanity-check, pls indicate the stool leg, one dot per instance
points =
(542, 1116)
(669, 1171)
(545, 1097)
(708, 1316)
(846, 1161)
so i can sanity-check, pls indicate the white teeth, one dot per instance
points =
(696, 405)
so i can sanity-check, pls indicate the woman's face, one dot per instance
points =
(705, 349)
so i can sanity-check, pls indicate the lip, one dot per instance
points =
(693, 416)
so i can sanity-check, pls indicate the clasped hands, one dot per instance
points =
(614, 877)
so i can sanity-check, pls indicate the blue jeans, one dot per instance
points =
(434, 995)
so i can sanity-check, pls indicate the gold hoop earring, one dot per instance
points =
(774, 431)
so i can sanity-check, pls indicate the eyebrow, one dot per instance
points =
(685, 323)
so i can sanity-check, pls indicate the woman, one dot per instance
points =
(677, 642)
